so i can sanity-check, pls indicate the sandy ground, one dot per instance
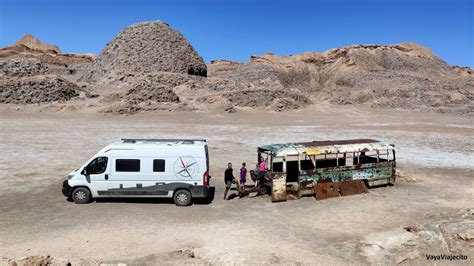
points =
(434, 151)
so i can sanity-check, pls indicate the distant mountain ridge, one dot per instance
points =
(150, 66)
(34, 43)
(31, 47)
(405, 75)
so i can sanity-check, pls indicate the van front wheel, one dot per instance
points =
(81, 195)
(182, 198)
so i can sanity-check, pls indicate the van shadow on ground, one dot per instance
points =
(196, 201)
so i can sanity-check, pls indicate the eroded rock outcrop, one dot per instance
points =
(34, 43)
(37, 89)
(151, 66)
(406, 76)
(21, 67)
(147, 47)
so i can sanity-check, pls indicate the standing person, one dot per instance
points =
(229, 179)
(261, 168)
(243, 176)
(258, 174)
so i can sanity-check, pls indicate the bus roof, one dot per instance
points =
(325, 147)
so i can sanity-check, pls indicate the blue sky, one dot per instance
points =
(234, 30)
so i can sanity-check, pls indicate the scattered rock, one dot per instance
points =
(464, 71)
(230, 109)
(147, 91)
(467, 235)
(449, 232)
(399, 175)
(37, 89)
(267, 98)
(409, 256)
(185, 256)
(21, 67)
(45, 261)
(412, 229)
(82, 95)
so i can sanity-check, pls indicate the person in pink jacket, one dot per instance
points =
(261, 168)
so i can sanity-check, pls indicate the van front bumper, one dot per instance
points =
(66, 189)
(200, 191)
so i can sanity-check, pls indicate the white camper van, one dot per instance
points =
(170, 168)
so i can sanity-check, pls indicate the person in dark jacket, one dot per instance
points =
(229, 179)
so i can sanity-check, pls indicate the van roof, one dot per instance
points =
(159, 142)
(326, 146)
(164, 141)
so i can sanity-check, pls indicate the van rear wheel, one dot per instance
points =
(182, 198)
(81, 195)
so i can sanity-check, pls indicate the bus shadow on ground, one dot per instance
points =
(196, 201)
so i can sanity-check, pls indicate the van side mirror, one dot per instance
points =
(84, 171)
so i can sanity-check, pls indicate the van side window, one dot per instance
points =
(127, 165)
(97, 166)
(158, 165)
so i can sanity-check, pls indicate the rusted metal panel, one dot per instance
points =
(326, 190)
(279, 188)
(352, 187)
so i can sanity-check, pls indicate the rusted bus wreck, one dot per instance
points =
(326, 168)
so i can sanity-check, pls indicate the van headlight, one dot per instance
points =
(70, 176)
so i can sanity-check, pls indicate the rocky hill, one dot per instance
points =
(150, 66)
(70, 66)
(34, 44)
(405, 76)
(32, 72)
(144, 48)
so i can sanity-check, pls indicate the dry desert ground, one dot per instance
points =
(428, 211)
